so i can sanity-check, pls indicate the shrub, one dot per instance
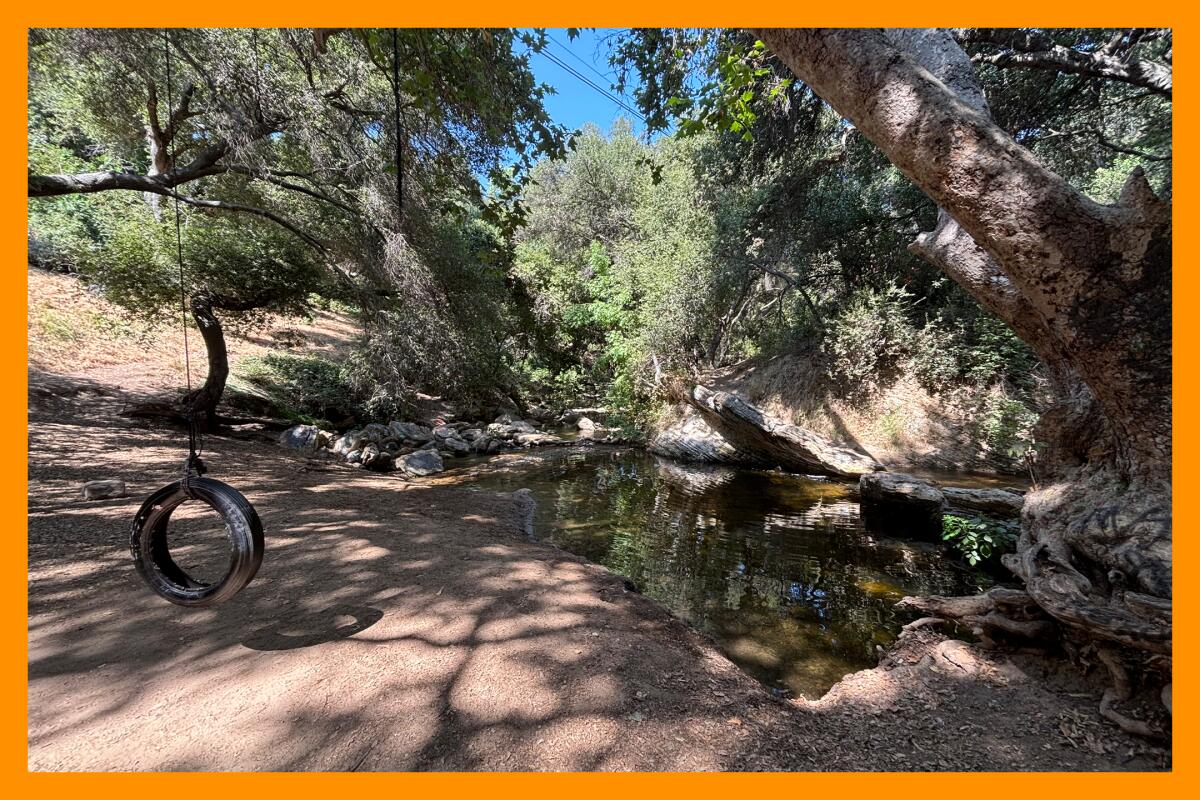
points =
(1005, 424)
(308, 389)
(978, 538)
(866, 344)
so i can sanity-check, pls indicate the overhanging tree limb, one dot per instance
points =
(1035, 50)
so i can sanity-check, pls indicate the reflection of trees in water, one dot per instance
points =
(779, 568)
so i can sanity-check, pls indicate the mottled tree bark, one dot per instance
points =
(1087, 286)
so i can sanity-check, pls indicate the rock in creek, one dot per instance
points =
(903, 504)
(573, 415)
(747, 435)
(420, 463)
(999, 502)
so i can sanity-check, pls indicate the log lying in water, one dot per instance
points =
(746, 435)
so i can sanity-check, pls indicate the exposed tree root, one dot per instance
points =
(999, 616)
(923, 622)
(1120, 691)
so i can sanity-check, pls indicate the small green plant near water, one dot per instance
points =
(978, 538)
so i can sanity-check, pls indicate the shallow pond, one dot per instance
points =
(777, 568)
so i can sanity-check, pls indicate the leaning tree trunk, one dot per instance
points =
(1087, 286)
(200, 405)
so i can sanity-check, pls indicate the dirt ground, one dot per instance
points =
(401, 625)
(412, 626)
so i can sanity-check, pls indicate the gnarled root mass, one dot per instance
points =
(1094, 556)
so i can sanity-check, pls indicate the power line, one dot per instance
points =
(588, 82)
(578, 58)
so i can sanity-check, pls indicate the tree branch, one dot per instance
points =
(1033, 50)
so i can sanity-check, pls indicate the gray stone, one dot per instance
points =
(300, 437)
(500, 430)
(445, 431)
(104, 489)
(999, 502)
(573, 415)
(354, 456)
(752, 437)
(456, 446)
(420, 463)
(370, 456)
(376, 432)
(347, 441)
(537, 439)
(585, 425)
(902, 504)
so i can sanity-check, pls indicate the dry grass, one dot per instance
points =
(73, 331)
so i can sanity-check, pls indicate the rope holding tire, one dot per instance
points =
(148, 541)
(152, 554)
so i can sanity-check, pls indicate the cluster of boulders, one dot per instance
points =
(899, 501)
(420, 450)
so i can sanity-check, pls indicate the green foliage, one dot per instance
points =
(977, 538)
(618, 268)
(1005, 424)
(866, 344)
(308, 389)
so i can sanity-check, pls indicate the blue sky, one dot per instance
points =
(576, 102)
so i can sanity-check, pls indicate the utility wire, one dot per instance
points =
(577, 57)
(588, 82)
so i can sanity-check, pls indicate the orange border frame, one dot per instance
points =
(548, 13)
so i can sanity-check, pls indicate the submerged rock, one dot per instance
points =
(420, 463)
(902, 504)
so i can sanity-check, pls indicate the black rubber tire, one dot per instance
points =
(152, 555)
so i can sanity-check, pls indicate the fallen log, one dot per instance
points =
(750, 436)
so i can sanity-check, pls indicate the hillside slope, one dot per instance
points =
(73, 331)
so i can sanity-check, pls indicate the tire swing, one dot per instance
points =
(148, 540)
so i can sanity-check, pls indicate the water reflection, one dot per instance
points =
(778, 568)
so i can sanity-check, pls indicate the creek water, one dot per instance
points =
(778, 568)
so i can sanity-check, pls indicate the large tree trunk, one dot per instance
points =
(1087, 286)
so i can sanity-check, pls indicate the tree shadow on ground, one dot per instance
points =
(392, 626)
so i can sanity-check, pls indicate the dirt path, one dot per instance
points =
(402, 626)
